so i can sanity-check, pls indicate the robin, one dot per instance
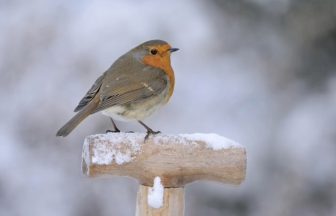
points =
(135, 86)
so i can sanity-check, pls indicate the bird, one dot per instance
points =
(136, 85)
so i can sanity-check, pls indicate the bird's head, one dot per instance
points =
(155, 53)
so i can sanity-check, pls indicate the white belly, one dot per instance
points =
(136, 111)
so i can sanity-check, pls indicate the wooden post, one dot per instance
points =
(173, 160)
(173, 202)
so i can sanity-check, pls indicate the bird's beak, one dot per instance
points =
(173, 49)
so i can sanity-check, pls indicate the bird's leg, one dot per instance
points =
(116, 129)
(149, 130)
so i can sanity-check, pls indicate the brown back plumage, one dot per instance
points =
(128, 80)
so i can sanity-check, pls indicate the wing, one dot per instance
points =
(133, 85)
(90, 94)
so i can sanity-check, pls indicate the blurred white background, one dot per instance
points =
(261, 72)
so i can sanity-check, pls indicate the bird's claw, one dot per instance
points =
(151, 132)
(113, 131)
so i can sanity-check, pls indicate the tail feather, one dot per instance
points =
(77, 119)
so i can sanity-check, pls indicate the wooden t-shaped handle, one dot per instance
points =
(172, 160)
(176, 159)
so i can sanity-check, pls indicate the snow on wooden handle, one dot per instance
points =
(173, 203)
(176, 159)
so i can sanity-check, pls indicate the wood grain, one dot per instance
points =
(173, 203)
(176, 160)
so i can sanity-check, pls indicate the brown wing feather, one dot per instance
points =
(127, 80)
(132, 93)
(90, 94)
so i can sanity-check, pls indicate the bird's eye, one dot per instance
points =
(154, 51)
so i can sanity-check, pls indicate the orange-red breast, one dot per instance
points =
(136, 85)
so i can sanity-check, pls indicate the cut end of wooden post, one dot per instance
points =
(176, 159)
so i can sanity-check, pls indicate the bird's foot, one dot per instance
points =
(151, 132)
(116, 129)
(113, 131)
